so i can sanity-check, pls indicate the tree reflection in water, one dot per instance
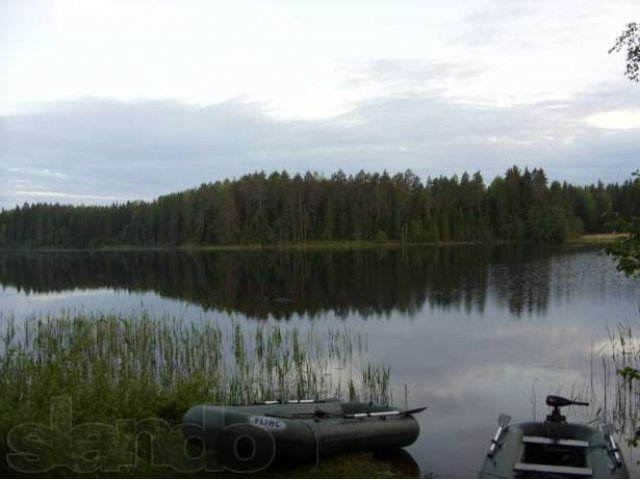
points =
(263, 283)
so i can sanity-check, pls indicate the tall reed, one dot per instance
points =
(621, 367)
(115, 367)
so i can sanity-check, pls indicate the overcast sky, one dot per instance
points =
(105, 100)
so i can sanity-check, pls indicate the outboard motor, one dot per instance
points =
(558, 402)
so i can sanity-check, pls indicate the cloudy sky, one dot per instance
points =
(109, 100)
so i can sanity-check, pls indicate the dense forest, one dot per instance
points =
(279, 208)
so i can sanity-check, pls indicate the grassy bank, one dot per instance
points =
(596, 239)
(591, 239)
(143, 373)
(311, 246)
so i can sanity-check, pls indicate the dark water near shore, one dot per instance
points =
(472, 331)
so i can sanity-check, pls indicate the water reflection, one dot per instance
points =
(523, 285)
(259, 284)
(472, 331)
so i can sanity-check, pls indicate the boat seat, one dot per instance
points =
(553, 469)
(555, 441)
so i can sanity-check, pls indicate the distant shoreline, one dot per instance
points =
(591, 239)
(315, 245)
(596, 239)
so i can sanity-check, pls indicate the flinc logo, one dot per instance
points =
(268, 423)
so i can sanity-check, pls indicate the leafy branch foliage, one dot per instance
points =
(629, 40)
(626, 250)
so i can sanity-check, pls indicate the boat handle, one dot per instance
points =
(503, 422)
(613, 449)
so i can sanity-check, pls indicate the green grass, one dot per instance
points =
(596, 239)
(333, 245)
(106, 368)
(621, 383)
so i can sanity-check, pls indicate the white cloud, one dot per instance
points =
(626, 119)
(65, 196)
(36, 172)
(315, 105)
(198, 90)
(291, 56)
(98, 151)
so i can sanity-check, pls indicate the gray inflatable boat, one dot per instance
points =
(249, 438)
(553, 449)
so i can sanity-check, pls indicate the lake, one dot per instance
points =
(472, 331)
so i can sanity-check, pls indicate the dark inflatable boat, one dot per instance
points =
(553, 449)
(297, 429)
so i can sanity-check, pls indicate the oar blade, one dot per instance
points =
(503, 420)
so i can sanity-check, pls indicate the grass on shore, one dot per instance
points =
(109, 368)
(590, 239)
(596, 239)
(312, 246)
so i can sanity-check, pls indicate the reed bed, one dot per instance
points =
(621, 367)
(113, 367)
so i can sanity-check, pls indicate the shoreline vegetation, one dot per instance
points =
(365, 208)
(588, 239)
(138, 375)
(621, 366)
(597, 239)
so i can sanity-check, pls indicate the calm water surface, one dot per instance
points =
(472, 331)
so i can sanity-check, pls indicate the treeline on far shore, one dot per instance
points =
(278, 208)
